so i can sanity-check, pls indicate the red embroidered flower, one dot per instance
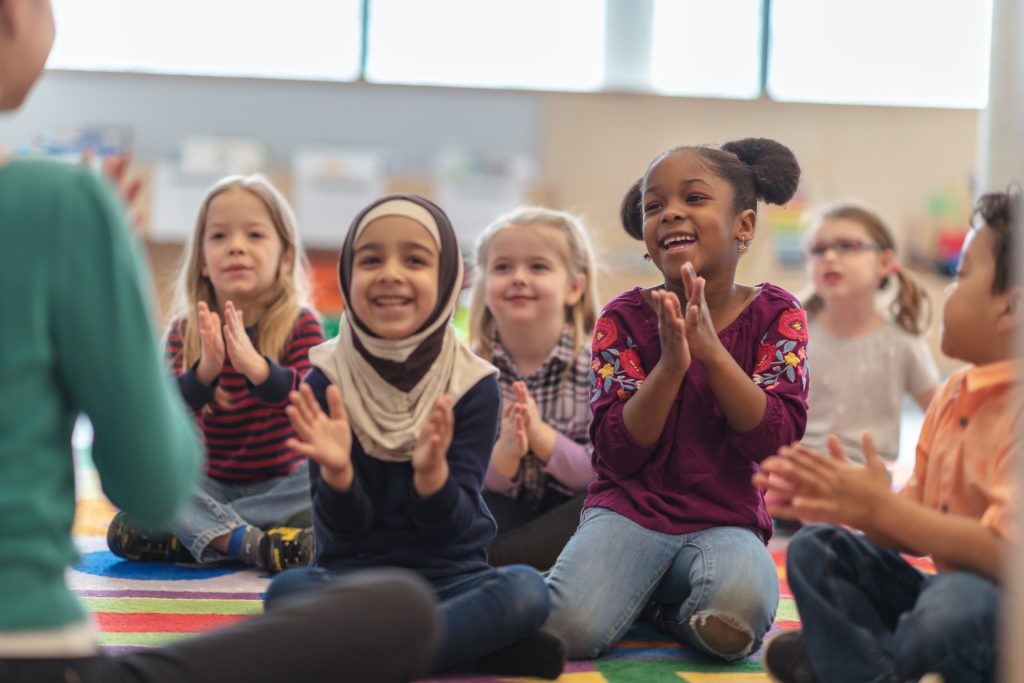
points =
(630, 362)
(793, 324)
(605, 334)
(765, 356)
(623, 394)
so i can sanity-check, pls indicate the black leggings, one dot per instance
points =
(380, 628)
(529, 537)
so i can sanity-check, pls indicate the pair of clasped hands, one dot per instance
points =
(228, 340)
(688, 336)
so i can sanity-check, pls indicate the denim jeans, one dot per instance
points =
(480, 612)
(612, 567)
(868, 616)
(218, 507)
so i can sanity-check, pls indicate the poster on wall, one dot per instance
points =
(331, 185)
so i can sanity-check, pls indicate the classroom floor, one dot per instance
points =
(140, 605)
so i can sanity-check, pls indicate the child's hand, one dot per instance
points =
(831, 489)
(430, 458)
(513, 442)
(541, 435)
(675, 350)
(211, 345)
(700, 329)
(243, 354)
(327, 440)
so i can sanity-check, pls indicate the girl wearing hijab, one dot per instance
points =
(398, 419)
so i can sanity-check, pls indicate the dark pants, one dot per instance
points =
(526, 536)
(381, 628)
(481, 612)
(869, 617)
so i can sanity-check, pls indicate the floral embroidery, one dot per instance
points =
(793, 324)
(615, 371)
(784, 359)
(605, 334)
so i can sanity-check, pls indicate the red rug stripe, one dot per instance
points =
(147, 622)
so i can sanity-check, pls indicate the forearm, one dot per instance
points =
(542, 441)
(742, 401)
(645, 412)
(954, 540)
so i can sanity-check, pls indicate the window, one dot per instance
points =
(707, 49)
(534, 44)
(305, 39)
(930, 53)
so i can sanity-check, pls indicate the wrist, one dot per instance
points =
(338, 479)
(429, 482)
(260, 372)
(542, 441)
(206, 375)
(504, 463)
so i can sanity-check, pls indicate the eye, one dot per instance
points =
(540, 267)
(215, 235)
(695, 198)
(256, 234)
(416, 261)
(651, 207)
(365, 261)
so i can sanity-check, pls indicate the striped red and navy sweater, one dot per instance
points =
(245, 440)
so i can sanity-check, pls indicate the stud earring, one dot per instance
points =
(647, 257)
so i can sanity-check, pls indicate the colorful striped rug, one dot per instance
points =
(141, 605)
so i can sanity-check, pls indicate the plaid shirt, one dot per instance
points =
(561, 388)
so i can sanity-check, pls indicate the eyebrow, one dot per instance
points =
(684, 183)
(416, 246)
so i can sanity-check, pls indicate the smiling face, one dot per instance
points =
(688, 216)
(242, 251)
(974, 317)
(845, 261)
(526, 280)
(395, 271)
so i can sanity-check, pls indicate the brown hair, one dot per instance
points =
(910, 309)
(1000, 212)
(578, 259)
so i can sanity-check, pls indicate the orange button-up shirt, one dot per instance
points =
(967, 451)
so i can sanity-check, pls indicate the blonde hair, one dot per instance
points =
(910, 309)
(579, 261)
(283, 301)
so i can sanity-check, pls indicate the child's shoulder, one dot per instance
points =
(629, 304)
(773, 297)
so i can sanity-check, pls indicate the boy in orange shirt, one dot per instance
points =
(867, 614)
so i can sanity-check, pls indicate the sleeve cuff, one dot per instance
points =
(195, 393)
(439, 506)
(276, 387)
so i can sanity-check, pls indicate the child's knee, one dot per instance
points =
(529, 596)
(722, 636)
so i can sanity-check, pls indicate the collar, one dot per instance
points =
(991, 375)
(561, 355)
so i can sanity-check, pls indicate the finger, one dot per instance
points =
(687, 274)
(335, 404)
(871, 457)
(835, 448)
(520, 390)
(816, 509)
(304, 449)
(299, 424)
(300, 401)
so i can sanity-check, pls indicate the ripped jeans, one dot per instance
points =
(612, 567)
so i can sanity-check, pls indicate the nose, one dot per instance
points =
(237, 243)
(674, 211)
(519, 275)
(389, 270)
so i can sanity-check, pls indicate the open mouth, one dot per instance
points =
(679, 242)
(832, 278)
(391, 301)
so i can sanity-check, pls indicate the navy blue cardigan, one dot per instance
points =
(382, 522)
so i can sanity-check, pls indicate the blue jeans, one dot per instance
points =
(612, 567)
(217, 508)
(868, 616)
(481, 612)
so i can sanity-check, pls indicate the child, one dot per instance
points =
(397, 465)
(863, 361)
(532, 314)
(243, 260)
(867, 614)
(77, 334)
(694, 383)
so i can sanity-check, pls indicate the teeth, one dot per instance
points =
(679, 239)
(390, 301)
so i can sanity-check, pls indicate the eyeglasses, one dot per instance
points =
(842, 248)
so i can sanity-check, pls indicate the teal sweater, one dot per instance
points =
(76, 338)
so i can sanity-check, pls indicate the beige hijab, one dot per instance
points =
(390, 386)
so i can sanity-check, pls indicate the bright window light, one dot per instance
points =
(926, 53)
(536, 44)
(302, 39)
(707, 49)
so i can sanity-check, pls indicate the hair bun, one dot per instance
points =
(631, 212)
(773, 167)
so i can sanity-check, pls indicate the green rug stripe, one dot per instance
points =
(787, 610)
(172, 606)
(665, 670)
(141, 639)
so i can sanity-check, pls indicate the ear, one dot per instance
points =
(746, 225)
(886, 261)
(577, 287)
(1011, 310)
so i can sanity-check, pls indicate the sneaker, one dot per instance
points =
(785, 659)
(128, 540)
(285, 547)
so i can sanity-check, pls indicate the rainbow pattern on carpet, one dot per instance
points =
(141, 605)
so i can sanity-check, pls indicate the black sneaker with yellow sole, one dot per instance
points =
(286, 547)
(131, 541)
